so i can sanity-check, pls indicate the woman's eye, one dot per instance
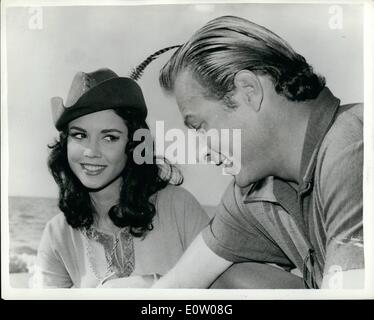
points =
(77, 135)
(111, 138)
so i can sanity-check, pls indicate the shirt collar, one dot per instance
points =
(259, 191)
(324, 110)
(322, 116)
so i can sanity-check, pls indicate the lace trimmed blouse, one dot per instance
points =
(68, 257)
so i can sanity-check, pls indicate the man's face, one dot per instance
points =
(203, 114)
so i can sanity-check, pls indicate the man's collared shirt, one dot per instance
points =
(316, 228)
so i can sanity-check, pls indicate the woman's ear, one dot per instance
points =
(249, 86)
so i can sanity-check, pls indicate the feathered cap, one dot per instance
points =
(99, 90)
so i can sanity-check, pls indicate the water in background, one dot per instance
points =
(27, 218)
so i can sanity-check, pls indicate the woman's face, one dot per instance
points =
(96, 148)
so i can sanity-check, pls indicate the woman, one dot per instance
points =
(120, 220)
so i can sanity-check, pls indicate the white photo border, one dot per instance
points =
(183, 294)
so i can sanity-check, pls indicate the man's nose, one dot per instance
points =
(208, 155)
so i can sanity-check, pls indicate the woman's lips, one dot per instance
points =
(92, 169)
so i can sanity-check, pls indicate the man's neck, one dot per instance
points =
(293, 121)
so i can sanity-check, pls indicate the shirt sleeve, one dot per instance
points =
(235, 236)
(49, 270)
(342, 198)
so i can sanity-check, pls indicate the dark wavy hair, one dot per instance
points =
(136, 207)
(227, 45)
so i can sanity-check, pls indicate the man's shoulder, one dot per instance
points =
(341, 151)
(350, 110)
(346, 131)
(347, 127)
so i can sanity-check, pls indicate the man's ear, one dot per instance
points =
(249, 86)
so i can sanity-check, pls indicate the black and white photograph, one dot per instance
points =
(212, 146)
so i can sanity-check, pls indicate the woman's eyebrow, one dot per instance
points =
(111, 130)
(77, 128)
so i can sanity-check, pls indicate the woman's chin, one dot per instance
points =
(93, 185)
(100, 184)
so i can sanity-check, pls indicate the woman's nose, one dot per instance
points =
(92, 150)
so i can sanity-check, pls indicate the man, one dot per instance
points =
(297, 200)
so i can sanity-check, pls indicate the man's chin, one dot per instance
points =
(241, 181)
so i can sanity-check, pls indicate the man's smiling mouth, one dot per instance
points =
(230, 166)
(227, 163)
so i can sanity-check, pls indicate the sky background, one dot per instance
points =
(41, 64)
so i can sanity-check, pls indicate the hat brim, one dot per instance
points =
(110, 94)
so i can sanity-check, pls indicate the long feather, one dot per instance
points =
(138, 71)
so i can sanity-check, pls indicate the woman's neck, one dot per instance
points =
(102, 201)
